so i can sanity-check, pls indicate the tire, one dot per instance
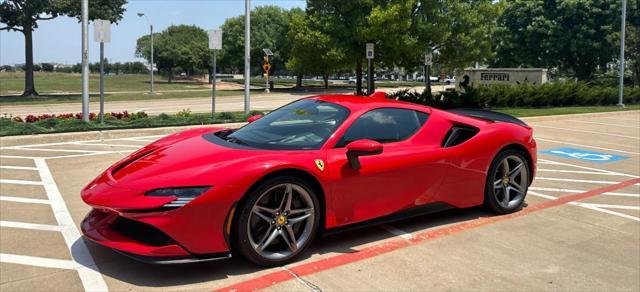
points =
(505, 191)
(268, 243)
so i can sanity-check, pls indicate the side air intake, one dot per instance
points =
(458, 135)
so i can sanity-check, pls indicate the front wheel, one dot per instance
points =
(507, 182)
(277, 222)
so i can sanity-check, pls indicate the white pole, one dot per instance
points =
(151, 65)
(622, 37)
(102, 82)
(85, 60)
(247, 54)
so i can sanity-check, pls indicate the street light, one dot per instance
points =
(622, 36)
(151, 34)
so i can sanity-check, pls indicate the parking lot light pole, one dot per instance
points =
(85, 60)
(622, 37)
(151, 36)
(247, 54)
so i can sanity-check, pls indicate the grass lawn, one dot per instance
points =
(12, 83)
(530, 112)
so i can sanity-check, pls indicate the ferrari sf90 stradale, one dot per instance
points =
(316, 165)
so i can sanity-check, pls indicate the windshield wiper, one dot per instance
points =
(235, 140)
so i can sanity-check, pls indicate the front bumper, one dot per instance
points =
(138, 240)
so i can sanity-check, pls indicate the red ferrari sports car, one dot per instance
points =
(316, 165)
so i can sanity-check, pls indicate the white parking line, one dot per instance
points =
(397, 232)
(41, 262)
(24, 200)
(20, 182)
(545, 161)
(587, 146)
(582, 191)
(619, 119)
(33, 226)
(608, 206)
(605, 124)
(576, 171)
(16, 157)
(56, 150)
(588, 206)
(17, 167)
(603, 182)
(91, 278)
(590, 132)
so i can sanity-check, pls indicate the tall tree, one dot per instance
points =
(345, 23)
(269, 26)
(579, 37)
(184, 46)
(312, 51)
(23, 16)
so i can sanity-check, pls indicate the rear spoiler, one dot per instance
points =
(488, 115)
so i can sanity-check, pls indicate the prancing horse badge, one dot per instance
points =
(320, 164)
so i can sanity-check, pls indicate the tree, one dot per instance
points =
(633, 40)
(579, 37)
(47, 67)
(269, 27)
(184, 46)
(312, 51)
(457, 31)
(23, 16)
(345, 23)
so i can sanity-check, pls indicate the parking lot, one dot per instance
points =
(580, 229)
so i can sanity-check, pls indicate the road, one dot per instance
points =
(579, 230)
(202, 104)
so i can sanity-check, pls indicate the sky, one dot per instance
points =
(59, 40)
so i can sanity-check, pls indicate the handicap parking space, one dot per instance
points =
(559, 241)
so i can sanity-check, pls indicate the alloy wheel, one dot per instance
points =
(281, 221)
(510, 182)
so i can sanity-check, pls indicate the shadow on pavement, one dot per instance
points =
(122, 268)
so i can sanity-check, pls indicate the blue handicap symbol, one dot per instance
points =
(591, 156)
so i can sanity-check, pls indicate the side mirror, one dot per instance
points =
(252, 119)
(359, 148)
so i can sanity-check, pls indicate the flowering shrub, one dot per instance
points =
(125, 115)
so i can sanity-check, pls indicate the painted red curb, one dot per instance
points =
(274, 278)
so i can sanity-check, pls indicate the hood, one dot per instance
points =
(180, 163)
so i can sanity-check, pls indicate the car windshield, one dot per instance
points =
(301, 125)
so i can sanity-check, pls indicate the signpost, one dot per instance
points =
(428, 61)
(101, 34)
(370, 55)
(215, 43)
(266, 66)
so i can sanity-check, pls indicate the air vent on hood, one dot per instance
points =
(131, 160)
(458, 135)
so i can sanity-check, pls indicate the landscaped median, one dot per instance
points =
(43, 124)
(73, 123)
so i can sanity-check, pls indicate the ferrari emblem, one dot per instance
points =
(320, 164)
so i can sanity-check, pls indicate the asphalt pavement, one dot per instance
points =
(579, 230)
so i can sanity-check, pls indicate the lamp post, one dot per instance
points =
(85, 60)
(622, 36)
(151, 35)
(247, 55)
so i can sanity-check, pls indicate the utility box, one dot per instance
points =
(500, 76)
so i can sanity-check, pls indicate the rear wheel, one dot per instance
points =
(277, 222)
(507, 182)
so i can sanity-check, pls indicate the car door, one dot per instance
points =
(393, 180)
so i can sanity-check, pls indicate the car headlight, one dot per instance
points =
(183, 195)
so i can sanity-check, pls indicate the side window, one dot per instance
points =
(384, 125)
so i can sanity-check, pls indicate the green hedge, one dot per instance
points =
(10, 127)
(546, 95)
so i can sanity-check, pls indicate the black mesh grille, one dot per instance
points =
(141, 232)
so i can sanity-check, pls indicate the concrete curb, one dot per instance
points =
(99, 135)
(571, 116)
